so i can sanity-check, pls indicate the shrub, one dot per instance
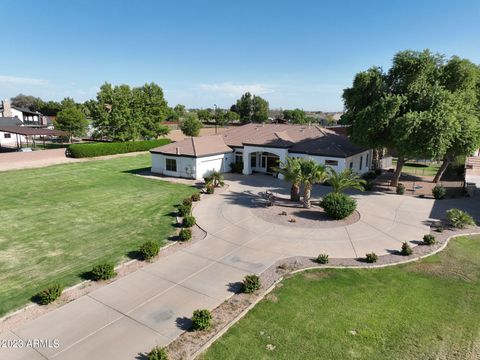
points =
(429, 239)
(237, 167)
(250, 283)
(371, 257)
(158, 353)
(195, 197)
(406, 249)
(210, 189)
(369, 175)
(378, 171)
(188, 221)
(149, 250)
(459, 219)
(201, 319)
(101, 149)
(439, 192)
(185, 234)
(338, 205)
(187, 201)
(368, 186)
(322, 259)
(184, 210)
(400, 189)
(49, 294)
(103, 271)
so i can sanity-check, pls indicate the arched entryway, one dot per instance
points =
(262, 160)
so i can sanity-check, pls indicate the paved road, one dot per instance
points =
(152, 305)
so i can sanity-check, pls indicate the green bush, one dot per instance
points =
(185, 234)
(237, 167)
(158, 353)
(378, 171)
(371, 257)
(149, 250)
(406, 249)
(400, 189)
(188, 221)
(322, 259)
(369, 175)
(459, 219)
(195, 197)
(187, 201)
(338, 206)
(368, 186)
(210, 189)
(251, 283)
(103, 271)
(429, 239)
(105, 148)
(49, 294)
(201, 319)
(439, 192)
(184, 210)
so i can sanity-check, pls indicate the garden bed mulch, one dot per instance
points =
(191, 344)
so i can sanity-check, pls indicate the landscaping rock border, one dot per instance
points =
(190, 345)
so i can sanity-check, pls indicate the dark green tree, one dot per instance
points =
(191, 126)
(295, 116)
(251, 108)
(72, 121)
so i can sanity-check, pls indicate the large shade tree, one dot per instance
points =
(72, 121)
(409, 108)
(251, 108)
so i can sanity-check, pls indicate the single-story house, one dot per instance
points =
(259, 147)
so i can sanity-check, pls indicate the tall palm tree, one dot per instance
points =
(290, 169)
(310, 173)
(344, 180)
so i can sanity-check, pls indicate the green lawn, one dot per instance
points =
(424, 310)
(59, 221)
(421, 169)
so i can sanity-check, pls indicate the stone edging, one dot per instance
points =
(262, 296)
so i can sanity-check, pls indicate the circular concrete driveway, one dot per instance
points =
(386, 222)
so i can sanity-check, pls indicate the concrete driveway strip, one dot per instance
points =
(152, 306)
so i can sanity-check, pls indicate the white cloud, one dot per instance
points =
(232, 90)
(18, 80)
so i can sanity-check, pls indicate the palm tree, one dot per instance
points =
(215, 179)
(344, 180)
(290, 169)
(310, 173)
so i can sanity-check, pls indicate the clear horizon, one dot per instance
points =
(295, 55)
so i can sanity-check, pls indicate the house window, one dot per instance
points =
(351, 164)
(7, 135)
(361, 163)
(366, 161)
(171, 164)
(253, 160)
(331, 162)
(239, 157)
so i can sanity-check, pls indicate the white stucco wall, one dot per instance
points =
(192, 168)
(365, 157)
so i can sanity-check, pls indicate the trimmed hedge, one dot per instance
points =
(101, 149)
(201, 319)
(49, 294)
(103, 271)
(149, 250)
(185, 234)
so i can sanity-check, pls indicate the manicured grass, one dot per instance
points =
(59, 221)
(424, 310)
(421, 169)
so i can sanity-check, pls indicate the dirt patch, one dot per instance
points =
(315, 275)
(293, 214)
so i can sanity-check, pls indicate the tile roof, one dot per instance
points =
(311, 140)
(195, 147)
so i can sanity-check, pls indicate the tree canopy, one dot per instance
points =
(72, 121)
(420, 107)
(122, 113)
(296, 116)
(191, 126)
(251, 108)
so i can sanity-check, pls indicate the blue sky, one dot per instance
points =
(293, 53)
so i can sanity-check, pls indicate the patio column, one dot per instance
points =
(247, 170)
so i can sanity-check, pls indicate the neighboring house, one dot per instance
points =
(6, 138)
(26, 116)
(259, 147)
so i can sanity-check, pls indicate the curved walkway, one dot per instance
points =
(152, 306)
